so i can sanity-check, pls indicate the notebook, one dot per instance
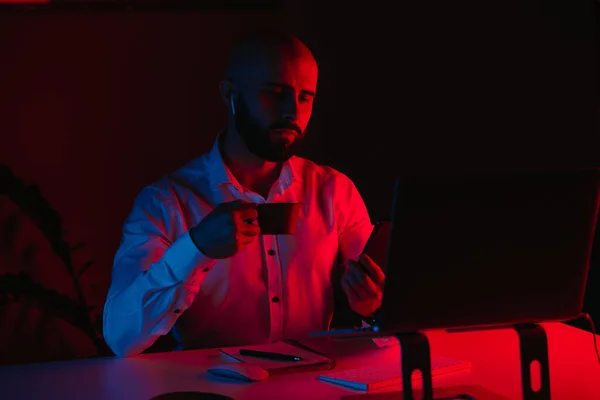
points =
(463, 392)
(383, 375)
(311, 359)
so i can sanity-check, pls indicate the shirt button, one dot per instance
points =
(177, 311)
(275, 299)
(271, 252)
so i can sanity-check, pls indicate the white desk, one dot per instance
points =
(574, 369)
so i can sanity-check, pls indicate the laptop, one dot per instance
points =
(485, 250)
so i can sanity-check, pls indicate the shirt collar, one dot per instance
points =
(221, 175)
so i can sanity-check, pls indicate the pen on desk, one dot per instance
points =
(269, 355)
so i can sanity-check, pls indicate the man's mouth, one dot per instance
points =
(284, 132)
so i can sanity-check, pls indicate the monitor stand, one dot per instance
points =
(533, 345)
(415, 355)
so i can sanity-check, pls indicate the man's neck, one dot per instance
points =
(250, 171)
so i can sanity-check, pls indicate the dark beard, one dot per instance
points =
(258, 140)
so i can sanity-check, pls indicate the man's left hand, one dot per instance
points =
(363, 284)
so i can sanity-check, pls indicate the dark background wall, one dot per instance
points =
(95, 105)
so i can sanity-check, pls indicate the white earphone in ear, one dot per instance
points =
(232, 106)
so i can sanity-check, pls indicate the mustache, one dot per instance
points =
(286, 125)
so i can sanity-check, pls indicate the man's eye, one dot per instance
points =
(305, 99)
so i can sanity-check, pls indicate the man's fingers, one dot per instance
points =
(248, 229)
(367, 285)
(355, 272)
(246, 215)
(353, 265)
(356, 283)
(365, 281)
(372, 269)
(371, 286)
(350, 291)
(358, 271)
(245, 221)
(244, 238)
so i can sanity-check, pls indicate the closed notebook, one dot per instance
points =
(463, 392)
(311, 359)
(382, 375)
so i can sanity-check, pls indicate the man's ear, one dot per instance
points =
(226, 90)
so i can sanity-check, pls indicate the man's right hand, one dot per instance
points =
(226, 229)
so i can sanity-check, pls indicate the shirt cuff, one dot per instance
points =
(183, 259)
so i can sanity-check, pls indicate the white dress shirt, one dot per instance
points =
(277, 287)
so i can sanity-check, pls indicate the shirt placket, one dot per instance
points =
(273, 264)
(275, 274)
(275, 287)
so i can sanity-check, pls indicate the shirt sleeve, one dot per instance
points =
(354, 223)
(154, 278)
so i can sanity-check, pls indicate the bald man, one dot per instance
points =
(189, 262)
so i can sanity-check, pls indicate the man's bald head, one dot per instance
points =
(258, 48)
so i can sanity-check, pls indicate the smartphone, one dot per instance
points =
(378, 242)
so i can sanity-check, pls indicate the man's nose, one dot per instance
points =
(290, 109)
